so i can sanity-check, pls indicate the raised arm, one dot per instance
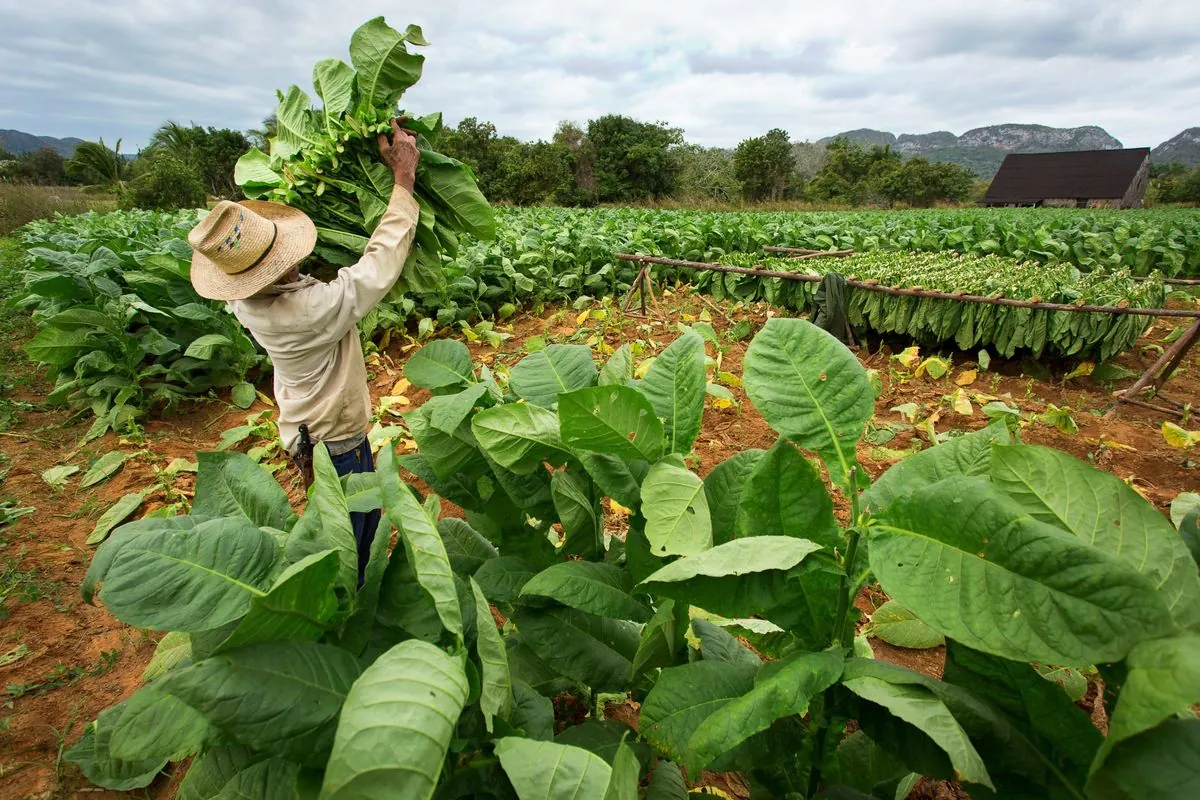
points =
(338, 305)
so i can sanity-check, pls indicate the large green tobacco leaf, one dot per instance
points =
(59, 348)
(666, 783)
(186, 578)
(582, 532)
(662, 638)
(717, 644)
(532, 712)
(447, 412)
(502, 578)
(397, 725)
(231, 483)
(421, 542)
(280, 697)
(863, 765)
(970, 563)
(683, 697)
(466, 548)
(618, 371)
(964, 455)
(212, 770)
(1041, 710)
(520, 437)
(786, 692)
(723, 488)
(333, 80)
(1102, 510)
(616, 420)
(602, 737)
(440, 365)
(678, 522)
(156, 725)
(675, 386)
(298, 606)
(920, 708)
(626, 772)
(740, 578)
(1160, 763)
(91, 754)
(541, 377)
(1163, 680)
(447, 455)
(589, 586)
(549, 771)
(269, 779)
(384, 65)
(455, 187)
(595, 651)
(809, 388)
(616, 478)
(293, 118)
(784, 496)
(330, 510)
(495, 699)
(403, 602)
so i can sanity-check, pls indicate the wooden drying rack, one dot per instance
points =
(1152, 379)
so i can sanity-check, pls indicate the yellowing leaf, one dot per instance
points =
(1115, 445)
(936, 367)
(388, 405)
(966, 377)
(1080, 371)
(909, 357)
(582, 318)
(962, 404)
(1178, 437)
(643, 368)
(400, 387)
(722, 404)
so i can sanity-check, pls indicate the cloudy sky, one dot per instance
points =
(720, 70)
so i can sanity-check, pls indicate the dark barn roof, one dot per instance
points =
(1080, 174)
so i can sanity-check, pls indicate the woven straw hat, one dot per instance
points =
(239, 249)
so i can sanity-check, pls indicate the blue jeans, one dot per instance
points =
(364, 523)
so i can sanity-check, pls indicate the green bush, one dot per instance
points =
(167, 184)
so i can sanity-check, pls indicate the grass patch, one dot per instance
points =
(20, 203)
(15, 327)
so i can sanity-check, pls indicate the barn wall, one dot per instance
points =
(1137, 189)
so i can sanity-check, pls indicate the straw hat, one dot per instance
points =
(239, 249)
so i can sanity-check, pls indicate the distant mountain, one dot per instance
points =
(18, 142)
(1183, 148)
(982, 149)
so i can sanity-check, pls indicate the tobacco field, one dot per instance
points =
(629, 558)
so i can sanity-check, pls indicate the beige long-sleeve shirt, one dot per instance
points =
(310, 331)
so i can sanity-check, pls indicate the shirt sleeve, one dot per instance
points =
(337, 306)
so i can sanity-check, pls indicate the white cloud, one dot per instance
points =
(722, 71)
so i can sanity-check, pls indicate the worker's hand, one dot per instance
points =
(401, 154)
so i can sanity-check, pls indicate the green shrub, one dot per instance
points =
(167, 184)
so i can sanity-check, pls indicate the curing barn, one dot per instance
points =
(1078, 179)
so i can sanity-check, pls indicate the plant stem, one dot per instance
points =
(820, 716)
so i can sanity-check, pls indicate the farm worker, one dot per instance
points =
(249, 254)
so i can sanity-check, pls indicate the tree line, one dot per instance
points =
(180, 167)
(612, 159)
(616, 159)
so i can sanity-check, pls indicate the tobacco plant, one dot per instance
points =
(614, 568)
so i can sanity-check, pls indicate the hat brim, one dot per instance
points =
(294, 241)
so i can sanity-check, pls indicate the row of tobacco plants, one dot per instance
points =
(123, 331)
(613, 568)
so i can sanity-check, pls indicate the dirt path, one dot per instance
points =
(62, 661)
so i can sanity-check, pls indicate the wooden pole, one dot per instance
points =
(1158, 373)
